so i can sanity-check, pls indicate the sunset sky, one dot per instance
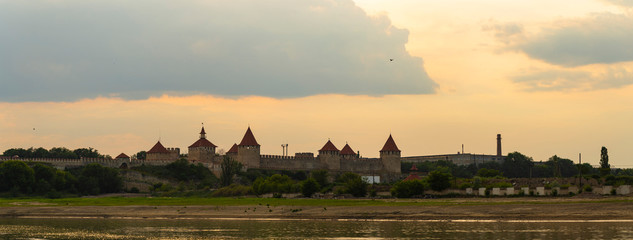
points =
(552, 77)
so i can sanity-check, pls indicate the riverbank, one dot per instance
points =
(570, 208)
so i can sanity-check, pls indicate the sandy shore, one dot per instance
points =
(502, 209)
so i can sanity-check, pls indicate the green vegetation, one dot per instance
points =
(408, 189)
(56, 152)
(229, 167)
(439, 181)
(17, 178)
(605, 167)
(309, 187)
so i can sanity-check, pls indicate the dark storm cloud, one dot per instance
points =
(66, 50)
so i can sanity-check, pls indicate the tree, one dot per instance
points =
(309, 187)
(229, 168)
(95, 179)
(16, 175)
(439, 181)
(321, 177)
(517, 165)
(489, 173)
(407, 189)
(87, 153)
(605, 168)
(141, 155)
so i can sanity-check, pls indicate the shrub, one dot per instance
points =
(407, 189)
(587, 188)
(439, 181)
(309, 187)
(134, 190)
(232, 190)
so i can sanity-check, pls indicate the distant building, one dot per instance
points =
(460, 158)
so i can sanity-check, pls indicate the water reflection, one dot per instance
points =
(306, 229)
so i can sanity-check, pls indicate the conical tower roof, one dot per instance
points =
(202, 142)
(347, 150)
(233, 148)
(329, 146)
(249, 139)
(390, 145)
(158, 148)
(202, 131)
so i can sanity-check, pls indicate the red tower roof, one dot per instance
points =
(249, 139)
(158, 148)
(347, 150)
(233, 148)
(202, 142)
(329, 146)
(122, 155)
(390, 145)
(202, 131)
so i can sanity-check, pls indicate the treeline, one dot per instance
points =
(17, 178)
(517, 165)
(56, 152)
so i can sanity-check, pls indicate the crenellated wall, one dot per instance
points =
(301, 161)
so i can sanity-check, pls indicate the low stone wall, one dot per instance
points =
(540, 191)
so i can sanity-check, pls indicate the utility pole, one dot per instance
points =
(579, 170)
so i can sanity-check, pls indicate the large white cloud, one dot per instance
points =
(65, 50)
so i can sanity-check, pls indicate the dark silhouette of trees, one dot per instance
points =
(605, 167)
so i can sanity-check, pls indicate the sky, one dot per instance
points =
(552, 77)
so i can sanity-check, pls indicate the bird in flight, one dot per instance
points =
(391, 59)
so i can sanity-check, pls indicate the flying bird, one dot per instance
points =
(391, 59)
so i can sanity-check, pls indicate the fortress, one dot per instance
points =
(247, 152)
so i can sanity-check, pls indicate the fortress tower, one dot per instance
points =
(348, 153)
(202, 150)
(329, 156)
(390, 156)
(159, 153)
(248, 150)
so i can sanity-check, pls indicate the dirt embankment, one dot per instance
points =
(453, 209)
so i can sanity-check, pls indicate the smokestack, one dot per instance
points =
(499, 145)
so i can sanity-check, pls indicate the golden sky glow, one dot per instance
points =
(486, 57)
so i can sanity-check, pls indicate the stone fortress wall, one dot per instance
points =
(330, 158)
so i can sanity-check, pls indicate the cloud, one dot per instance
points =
(67, 50)
(602, 38)
(575, 80)
(622, 3)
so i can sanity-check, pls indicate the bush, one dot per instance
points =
(134, 190)
(352, 184)
(274, 184)
(407, 189)
(587, 188)
(233, 190)
(309, 187)
(321, 177)
(357, 187)
(439, 181)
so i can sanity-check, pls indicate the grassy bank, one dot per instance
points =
(163, 201)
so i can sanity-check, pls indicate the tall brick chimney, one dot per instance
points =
(499, 145)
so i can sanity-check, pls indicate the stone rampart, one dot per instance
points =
(362, 165)
(289, 162)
